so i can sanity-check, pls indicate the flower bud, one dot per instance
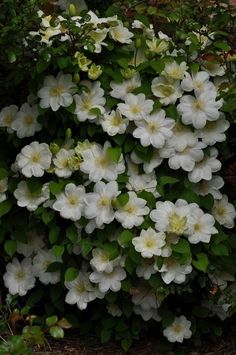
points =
(76, 77)
(72, 10)
(94, 71)
(83, 61)
(54, 148)
(68, 133)
(128, 73)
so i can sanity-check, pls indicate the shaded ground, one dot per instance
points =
(73, 344)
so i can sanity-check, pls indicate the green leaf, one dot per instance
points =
(171, 111)
(86, 246)
(3, 173)
(47, 216)
(220, 249)
(54, 234)
(122, 199)
(72, 234)
(222, 45)
(201, 263)
(125, 238)
(106, 335)
(56, 187)
(5, 207)
(181, 247)
(95, 111)
(167, 318)
(114, 153)
(155, 281)
(34, 185)
(164, 180)
(41, 65)
(112, 249)
(126, 343)
(10, 247)
(56, 332)
(158, 66)
(149, 197)
(71, 274)
(58, 250)
(51, 320)
(123, 62)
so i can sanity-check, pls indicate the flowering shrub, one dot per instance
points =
(113, 210)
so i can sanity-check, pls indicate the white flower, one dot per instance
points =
(113, 123)
(120, 90)
(149, 243)
(197, 81)
(26, 199)
(212, 187)
(220, 279)
(109, 281)
(25, 123)
(120, 33)
(146, 268)
(154, 129)
(214, 131)
(199, 109)
(92, 98)
(98, 165)
(132, 213)
(34, 159)
(136, 107)
(174, 70)
(187, 158)
(18, 277)
(201, 226)
(146, 298)
(33, 244)
(57, 91)
(98, 35)
(182, 138)
(167, 90)
(148, 167)
(7, 117)
(100, 260)
(147, 314)
(224, 212)
(114, 310)
(92, 225)
(178, 330)
(204, 169)
(41, 262)
(61, 162)
(172, 271)
(213, 68)
(170, 217)
(3, 189)
(144, 182)
(81, 291)
(70, 203)
(98, 204)
(170, 239)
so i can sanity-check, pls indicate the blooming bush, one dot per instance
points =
(113, 210)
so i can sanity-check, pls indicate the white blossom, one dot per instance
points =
(57, 91)
(3, 189)
(212, 187)
(149, 243)
(18, 277)
(113, 123)
(70, 203)
(224, 212)
(7, 117)
(120, 33)
(26, 199)
(34, 159)
(178, 330)
(34, 243)
(136, 107)
(133, 212)
(41, 262)
(25, 123)
(204, 168)
(120, 90)
(173, 271)
(108, 280)
(61, 162)
(167, 90)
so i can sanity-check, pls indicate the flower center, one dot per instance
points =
(8, 119)
(104, 201)
(177, 224)
(135, 109)
(116, 120)
(153, 127)
(130, 88)
(198, 104)
(80, 288)
(73, 200)
(177, 328)
(56, 90)
(19, 275)
(220, 210)
(150, 242)
(197, 227)
(86, 105)
(129, 208)
(35, 158)
(102, 161)
(166, 90)
(28, 120)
